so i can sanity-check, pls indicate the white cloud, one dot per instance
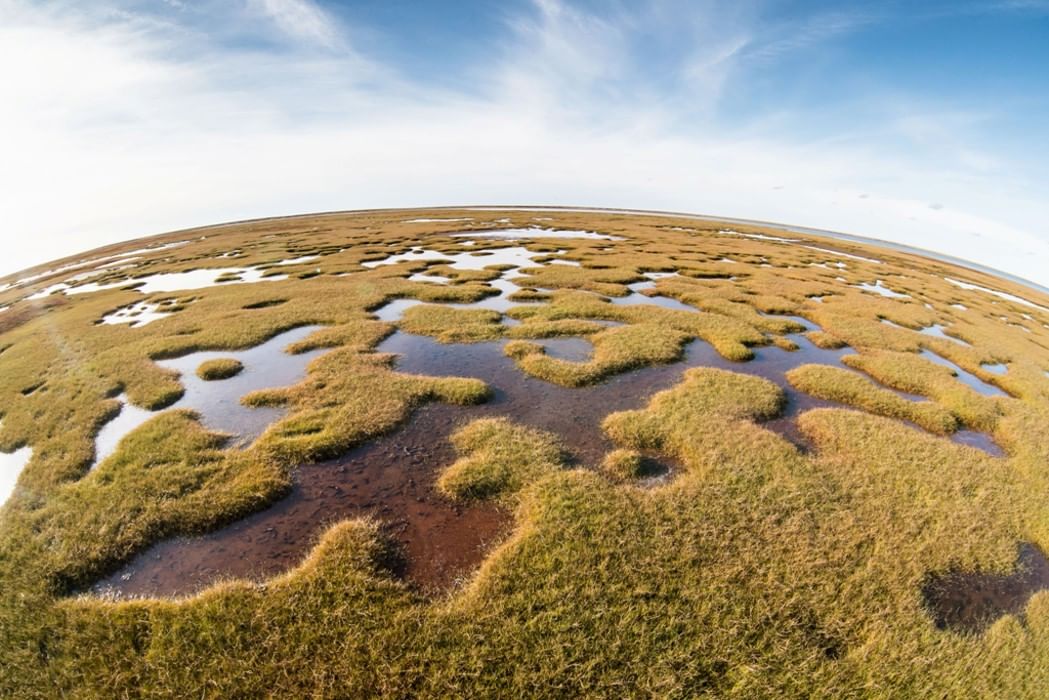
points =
(300, 19)
(126, 127)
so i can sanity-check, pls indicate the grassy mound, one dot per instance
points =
(220, 368)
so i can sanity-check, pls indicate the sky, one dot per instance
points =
(921, 123)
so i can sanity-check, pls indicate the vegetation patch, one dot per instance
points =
(624, 465)
(450, 325)
(219, 368)
(498, 459)
(843, 386)
(615, 350)
(758, 571)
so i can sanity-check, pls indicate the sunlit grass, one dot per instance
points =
(759, 570)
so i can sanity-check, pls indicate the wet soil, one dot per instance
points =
(970, 601)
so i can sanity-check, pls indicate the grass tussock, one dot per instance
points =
(450, 325)
(615, 350)
(825, 340)
(347, 398)
(555, 329)
(916, 375)
(623, 465)
(687, 421)
(219, 368)
(498, 458)
(843, 386)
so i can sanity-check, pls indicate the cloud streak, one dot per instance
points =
(132, 123)
(301, 20)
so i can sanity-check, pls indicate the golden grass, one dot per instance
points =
(615, 350)
(911, 373)
(760, 571)
(498, 458)
(843, 386)
(450, 325)
(219, 368)
(623, 465)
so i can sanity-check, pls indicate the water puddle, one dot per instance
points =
(967, 378)
(436, 221)
(936, 331)
(536, 232)
(433, 279)
(296, 261)
(468, 260)
(110, 435)
(996, 368)
(391, 312)
(636, 297)
(11, 466)
(218, 402)
(970, 601)
(197, 279)
(1000, 295)
(169, 281)
(392, 477)
(139, 314)
(568, 349)
(981, 441)
(879, 288)
(94, 265)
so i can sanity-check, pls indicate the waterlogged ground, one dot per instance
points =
(528, 423)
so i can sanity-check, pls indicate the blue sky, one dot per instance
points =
(922, 123)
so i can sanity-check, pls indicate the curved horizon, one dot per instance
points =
(785, 227)
(918, 126)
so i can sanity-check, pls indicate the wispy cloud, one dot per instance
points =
(787, 37)
(133, 122)
(300, 19)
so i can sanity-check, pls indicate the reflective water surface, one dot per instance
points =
(392, 477)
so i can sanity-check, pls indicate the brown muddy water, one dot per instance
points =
(970, 601)
(392, 477)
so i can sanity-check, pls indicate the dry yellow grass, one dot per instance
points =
(498, 458)
(843, 386)
(759, 571)
(219, 368)
(615, 350)
(450, 325)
